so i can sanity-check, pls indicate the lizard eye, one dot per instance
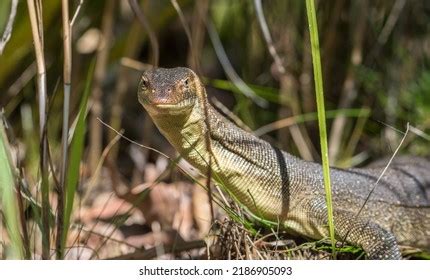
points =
(187, 82)
(144, 83)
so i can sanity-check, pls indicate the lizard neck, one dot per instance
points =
(269, 178)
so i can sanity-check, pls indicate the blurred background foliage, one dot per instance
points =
(375, 54)
(375, 57)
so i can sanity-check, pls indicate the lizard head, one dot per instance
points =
(168, 91)
(174, 99)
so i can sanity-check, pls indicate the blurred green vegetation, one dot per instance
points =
(375, 57)
(392, 71)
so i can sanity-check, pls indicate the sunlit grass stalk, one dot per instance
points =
(8, 202)
(67, 77)
(318, 79)
(35, 13)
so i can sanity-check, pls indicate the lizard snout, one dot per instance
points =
(161, 96)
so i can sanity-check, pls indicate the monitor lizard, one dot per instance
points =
(280, 187)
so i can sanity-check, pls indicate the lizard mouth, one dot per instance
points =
(166, 103)
(164, 100)
(162, 107)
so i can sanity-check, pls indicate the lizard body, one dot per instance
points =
(280, 187)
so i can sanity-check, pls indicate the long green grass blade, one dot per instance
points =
(76, 149)
(9, 205)
(316, 62)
